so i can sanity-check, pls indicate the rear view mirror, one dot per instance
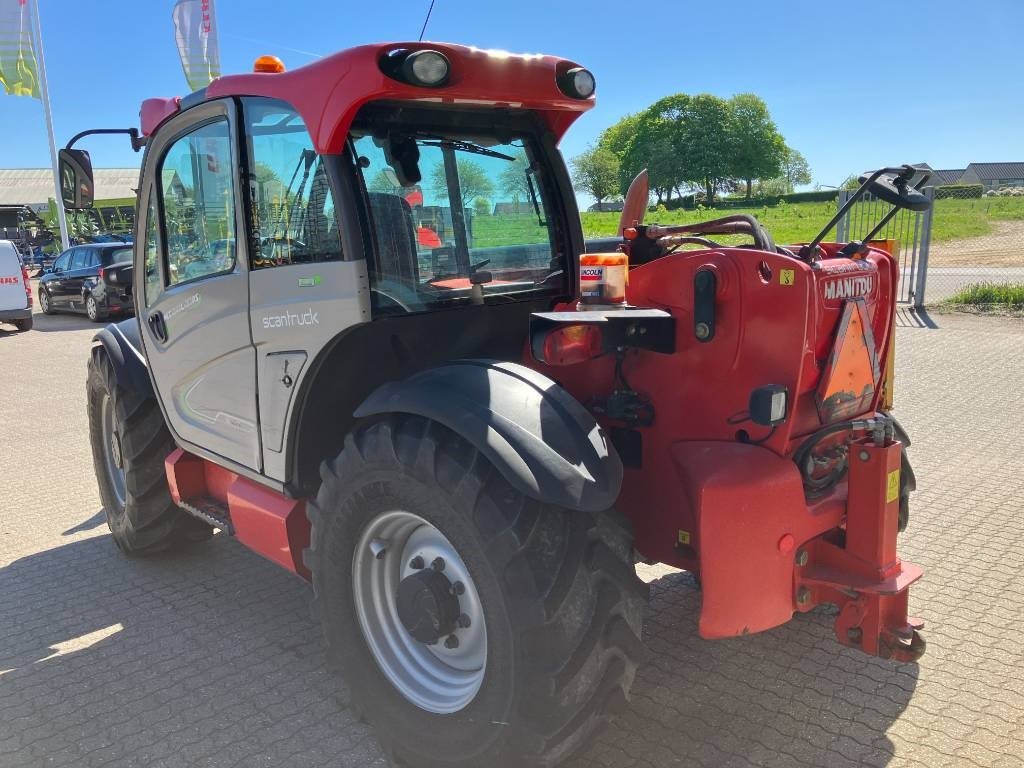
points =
(76, 183)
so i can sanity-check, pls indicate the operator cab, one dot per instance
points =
(281, 212)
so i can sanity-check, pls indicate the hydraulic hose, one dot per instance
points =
(880, 424)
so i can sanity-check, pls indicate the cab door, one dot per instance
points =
(55, 279)
(194, 298)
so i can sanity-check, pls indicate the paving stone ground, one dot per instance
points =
(210, 658)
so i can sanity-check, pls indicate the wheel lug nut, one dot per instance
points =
(459, 588)
(438, 564)
(416, 563)
(463, 621)
(451, 643)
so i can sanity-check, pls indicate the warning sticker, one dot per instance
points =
(787, 276)
(892, 490)
(684, 537)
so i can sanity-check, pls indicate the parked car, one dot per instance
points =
(15, 291)
(75, 282)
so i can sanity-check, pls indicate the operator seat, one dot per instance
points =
(396, 239)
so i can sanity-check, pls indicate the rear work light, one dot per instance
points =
(569, 345)
(577, 83)
(426, 68)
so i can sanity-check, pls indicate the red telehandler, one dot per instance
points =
(372, 344)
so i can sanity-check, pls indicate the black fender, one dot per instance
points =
(123, 345)
(536, 434)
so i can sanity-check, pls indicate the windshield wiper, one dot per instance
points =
(466, 146)
(533, 196)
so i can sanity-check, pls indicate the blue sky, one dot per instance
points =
(851, 85)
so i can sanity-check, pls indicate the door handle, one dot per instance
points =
(158, 326)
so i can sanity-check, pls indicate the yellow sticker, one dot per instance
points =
(892, 491)
(787, 276)
(684, 537)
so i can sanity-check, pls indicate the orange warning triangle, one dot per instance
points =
(848, 383)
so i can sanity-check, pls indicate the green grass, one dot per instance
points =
(988, 297)
(787, 222)
(800, 222)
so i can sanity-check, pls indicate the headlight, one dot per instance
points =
(427, 68)
(577, 83)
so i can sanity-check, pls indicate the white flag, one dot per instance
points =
(195, 31)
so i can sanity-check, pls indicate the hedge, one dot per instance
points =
(961, 191)
(821, 196)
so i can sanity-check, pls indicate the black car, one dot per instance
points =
(75, 282)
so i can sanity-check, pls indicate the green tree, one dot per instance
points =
(795, 169)
(473, 181)
(384, 181)
(757, 149)
(513, 178)
(705, 143)
(616, 138)
(597, 171)
(659, 145)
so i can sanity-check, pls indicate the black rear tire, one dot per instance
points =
(23, 325)
(147, 520)
(92, 309)
(46, 302)
(562, 603)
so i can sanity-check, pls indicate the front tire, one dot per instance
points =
(129, 444)
(550, 593)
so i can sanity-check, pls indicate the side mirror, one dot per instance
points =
(76, 183)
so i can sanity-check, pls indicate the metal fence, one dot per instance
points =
(964, 251)
(909, 231)
(977, 245)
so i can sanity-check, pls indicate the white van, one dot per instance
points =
(15, 291)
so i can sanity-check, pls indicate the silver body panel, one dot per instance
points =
(295, 312)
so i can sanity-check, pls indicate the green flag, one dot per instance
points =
(18, 73)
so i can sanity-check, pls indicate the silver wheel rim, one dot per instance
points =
(44, 301)
(112, 455)
(437, 678)
(90, 308)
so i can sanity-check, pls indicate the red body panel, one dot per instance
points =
(766, 333)
(750, 510)
(329, 92)
(265, 521)
(707, 498)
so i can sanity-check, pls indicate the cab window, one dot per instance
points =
(79, 258)
(197, 187)
(151, 260)
(456, 213)
(293, 215)
(61, 264)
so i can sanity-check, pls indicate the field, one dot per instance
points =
(788, 222)
(800, 222)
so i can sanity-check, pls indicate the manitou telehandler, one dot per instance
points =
(373, 345)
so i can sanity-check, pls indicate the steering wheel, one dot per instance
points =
(896, 191)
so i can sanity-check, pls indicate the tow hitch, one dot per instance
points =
(857, 568)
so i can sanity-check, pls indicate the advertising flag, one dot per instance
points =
(18, 69)
(195, 31)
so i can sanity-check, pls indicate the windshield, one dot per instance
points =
(457, 219)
